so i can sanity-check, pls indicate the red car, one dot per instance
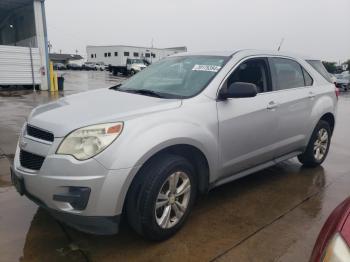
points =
(333, 242)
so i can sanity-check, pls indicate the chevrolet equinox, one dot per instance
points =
(184, 125)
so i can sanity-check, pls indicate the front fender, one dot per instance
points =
(142, 142)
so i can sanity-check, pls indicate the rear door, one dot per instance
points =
(247, 126)
(293, 84)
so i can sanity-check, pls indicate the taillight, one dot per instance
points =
(337, 92)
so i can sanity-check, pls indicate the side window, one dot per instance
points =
(115, 53)
(287, 73)
(109, 54)
(105, 54)
(126, 53)
(308, 79)
(136, 54)
(253, 71)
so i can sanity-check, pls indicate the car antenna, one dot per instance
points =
(280, 45)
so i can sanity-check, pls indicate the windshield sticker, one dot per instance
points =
(207, 68)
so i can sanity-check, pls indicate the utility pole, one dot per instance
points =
(49, 45)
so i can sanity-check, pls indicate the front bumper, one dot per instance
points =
(58, 174)
(98, 225)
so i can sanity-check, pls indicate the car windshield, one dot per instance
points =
(136, 61)
(176, 77)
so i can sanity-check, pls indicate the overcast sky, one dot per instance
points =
(318, 28)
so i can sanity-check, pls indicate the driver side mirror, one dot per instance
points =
(239, 90)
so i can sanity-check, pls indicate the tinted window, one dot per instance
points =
(308, 79)
(252, 71)
(288, 73)
(319, 67)
(148, 55)
(126, 53)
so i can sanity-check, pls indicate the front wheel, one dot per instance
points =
(317, 149)
(162, 197)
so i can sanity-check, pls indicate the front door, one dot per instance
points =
(247, 126)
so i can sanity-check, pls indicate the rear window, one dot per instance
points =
(319, 67)
(288, 73)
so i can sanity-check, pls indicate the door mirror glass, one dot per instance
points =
(239, 90)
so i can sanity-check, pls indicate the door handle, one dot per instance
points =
(272, 105)
(311, 95)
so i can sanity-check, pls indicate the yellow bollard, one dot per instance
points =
(52, 83)
(56, 81)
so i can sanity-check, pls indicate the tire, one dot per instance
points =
(146, 189)
(132, 72)
(310, 158)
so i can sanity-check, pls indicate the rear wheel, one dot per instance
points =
(162, 197)
(317, 149)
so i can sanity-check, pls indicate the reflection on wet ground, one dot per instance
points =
(273, 215)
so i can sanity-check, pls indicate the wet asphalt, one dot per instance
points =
(272, 215)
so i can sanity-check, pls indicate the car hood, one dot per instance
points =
(139, 65)
(95, 107)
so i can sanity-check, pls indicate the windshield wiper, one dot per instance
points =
(145, 92)
(116, 87)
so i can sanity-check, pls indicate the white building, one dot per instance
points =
(23, 43)
(116, 55)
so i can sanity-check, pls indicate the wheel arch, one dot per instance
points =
(190, 152)
(330, 119)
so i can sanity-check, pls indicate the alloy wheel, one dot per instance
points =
(172, 200)
(321, 144)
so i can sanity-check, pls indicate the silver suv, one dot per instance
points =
(181, 127)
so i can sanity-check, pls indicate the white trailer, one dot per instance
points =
(116, 57)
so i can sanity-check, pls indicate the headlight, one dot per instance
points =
(88, 141)
(337, 250)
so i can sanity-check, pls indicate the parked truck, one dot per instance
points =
(128, 60)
